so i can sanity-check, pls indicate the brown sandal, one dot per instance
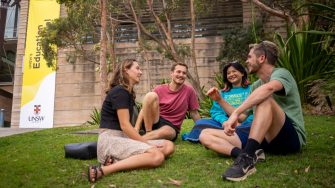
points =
(109, 161)
(95, 176)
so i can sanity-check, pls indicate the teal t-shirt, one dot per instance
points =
(235, 97)
(288, 99)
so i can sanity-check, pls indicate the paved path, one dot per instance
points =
(11, 131)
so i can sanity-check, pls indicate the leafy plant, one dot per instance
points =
(237, 40)
(77, 29)
(219, 80)
(164, 81)
(305, 57)
(321, 92)
(95, 117)
(206, 103)
(205, 106)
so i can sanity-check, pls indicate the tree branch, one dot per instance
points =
(272, 11)
(168, 35)
(167, 18)
(121, 21)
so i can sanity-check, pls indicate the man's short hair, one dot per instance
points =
(181, 64)
(266, 48)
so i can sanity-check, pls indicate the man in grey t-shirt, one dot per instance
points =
(278, 124)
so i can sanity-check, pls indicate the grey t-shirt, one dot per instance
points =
(288, 99)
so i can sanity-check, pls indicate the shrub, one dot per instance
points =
(95, 117)
(305, 57)
(206, 103)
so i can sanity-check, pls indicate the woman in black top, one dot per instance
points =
(120, 147)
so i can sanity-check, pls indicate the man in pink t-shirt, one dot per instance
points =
(164, 109)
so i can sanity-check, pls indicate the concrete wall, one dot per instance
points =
(77, 85)
(22, 29)
(78, 88)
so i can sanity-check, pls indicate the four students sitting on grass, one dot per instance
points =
(277, 126)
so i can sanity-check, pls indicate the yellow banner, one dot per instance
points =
(38, 82)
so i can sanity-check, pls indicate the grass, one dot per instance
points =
(36, 159)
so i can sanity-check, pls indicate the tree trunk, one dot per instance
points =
(103, 50)
(196, 80)
(111, 45)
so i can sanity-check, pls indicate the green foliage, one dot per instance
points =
(323, 11)
(219, 80)
(183, 50)
(322, 96)
(237, 40)
(164, 81)
(207, 102)
(95, 117)
(203, 7)
(306, 57)
(138, 106)
(74, 31)
(205, 106)
(23, 156)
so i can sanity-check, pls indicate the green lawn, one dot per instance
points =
(36, 159)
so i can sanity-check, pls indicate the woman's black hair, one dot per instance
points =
(238, 67)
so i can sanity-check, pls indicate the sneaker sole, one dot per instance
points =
(243, 177)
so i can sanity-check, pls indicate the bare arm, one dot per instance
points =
(229, 109)
(127, 128)
(214, 94)
(256, 97)
(194, 115)
(139, 121)
(259, 95)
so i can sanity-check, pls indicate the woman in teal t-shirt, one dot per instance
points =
(236, 90)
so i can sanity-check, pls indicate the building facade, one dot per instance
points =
(9, 19)
(77, 90)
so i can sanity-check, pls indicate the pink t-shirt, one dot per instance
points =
(174, 104)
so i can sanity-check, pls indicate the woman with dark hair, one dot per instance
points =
(211, 133)
(238, 67)
(120, 147)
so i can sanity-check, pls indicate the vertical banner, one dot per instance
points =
(38, 82)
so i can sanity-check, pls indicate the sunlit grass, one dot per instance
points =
(36, 159)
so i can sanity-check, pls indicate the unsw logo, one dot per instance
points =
(36, 118)
(37, 109)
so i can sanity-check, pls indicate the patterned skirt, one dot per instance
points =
(116, 144)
